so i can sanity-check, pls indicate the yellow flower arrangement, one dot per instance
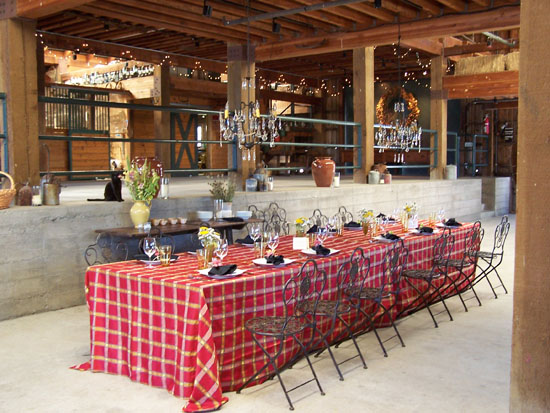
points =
(208, 236)
(367, 215)
(301, 226)
(411, 209)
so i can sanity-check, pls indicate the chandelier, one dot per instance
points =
(400, 135)
(246, 126)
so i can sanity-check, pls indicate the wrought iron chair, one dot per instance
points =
(351, 276)
(106, 249)
(466, 265)
(421, 280)
(301, 295)
(392, 266)
(274, 218)
(488, 261)
(318, 218)
(344, 214)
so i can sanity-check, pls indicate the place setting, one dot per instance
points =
(318, 248)
(155, 253)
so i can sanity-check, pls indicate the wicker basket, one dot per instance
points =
(6, 195)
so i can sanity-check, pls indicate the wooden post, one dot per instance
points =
(438, 117)
(19, 81)
(162, 119)
(530, 370)
(240, 89)
(363, 110)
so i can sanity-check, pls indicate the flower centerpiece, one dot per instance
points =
(210, 239)
(301, 226)
(410, 217)
(410, 209)
(142, 182)
(367, 219)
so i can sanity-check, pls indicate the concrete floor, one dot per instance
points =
(463, 366)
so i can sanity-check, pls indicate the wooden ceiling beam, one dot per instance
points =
(457, 5)
(450, 25)
(188, 11)
(35, 9)
(404, 10)
(483, 3)
(130, 15)
(430, 46)
(340, 12)
(429, 6)
(317, 15)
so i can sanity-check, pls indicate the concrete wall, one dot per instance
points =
(41, 260)
(496, 194)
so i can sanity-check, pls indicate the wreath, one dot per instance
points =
(386, 114)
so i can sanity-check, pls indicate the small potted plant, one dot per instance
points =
(143, 183)
(224, 190)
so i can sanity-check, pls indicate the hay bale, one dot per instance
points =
(512, 61)
(480, 64)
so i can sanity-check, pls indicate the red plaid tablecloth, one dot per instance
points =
(171, 327)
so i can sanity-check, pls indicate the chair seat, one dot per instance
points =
(486, 254)
(418, 273)
(274, 326)
(363, 293)
(325, 308)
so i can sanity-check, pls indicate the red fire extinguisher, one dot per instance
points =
(486, 128)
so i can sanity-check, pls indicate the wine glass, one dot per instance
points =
(149, 248)
(441, 215)
(331, 223)
(222, 249)
(321, 235)
(273, 241)
(255, 232)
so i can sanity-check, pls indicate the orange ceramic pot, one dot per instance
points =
(323, 169)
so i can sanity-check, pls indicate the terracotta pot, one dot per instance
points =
(154, 163)
(323, 169)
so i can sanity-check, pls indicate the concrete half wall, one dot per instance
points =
(42, 266)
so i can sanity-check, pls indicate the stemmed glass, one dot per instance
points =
(149, 248)
(273, 241)
(222, 249)
(255, 232)
(322, 235)
(441, 215)
(332, 223)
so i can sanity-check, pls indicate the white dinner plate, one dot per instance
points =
(263, 263)
(221, 277)
(310, 251)
(382, 239)
(417, 232)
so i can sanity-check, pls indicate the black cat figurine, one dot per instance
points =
(113, 189)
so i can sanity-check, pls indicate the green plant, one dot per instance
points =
(222, 189)
(142, 182)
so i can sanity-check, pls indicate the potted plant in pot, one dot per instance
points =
(143, 183)
(223, 192)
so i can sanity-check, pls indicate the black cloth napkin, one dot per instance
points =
(233, 219)
(320, 250)
(391, 236)
(451, 222)
(352, 224)
(381, 215)
(245, 240)
(275, 259)
(312, 230)
(426, 230)
(223, 269)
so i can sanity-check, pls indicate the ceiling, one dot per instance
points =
(311, 43)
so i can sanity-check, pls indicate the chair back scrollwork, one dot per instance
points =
(317, 218)
(105, 250)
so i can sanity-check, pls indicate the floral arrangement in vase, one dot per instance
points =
(142, 182)
(367, 216)
(208, 236)
(410, 209)
(301, 226)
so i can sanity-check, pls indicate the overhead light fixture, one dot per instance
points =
(275, 27)
(377, 4)
(206, 10)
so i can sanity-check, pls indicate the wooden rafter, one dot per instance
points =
(485, 85)
(451, 25)
(34, 9)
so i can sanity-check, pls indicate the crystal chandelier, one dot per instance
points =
(399, 135)
(246, 126)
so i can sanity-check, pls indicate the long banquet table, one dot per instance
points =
(171, 327)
